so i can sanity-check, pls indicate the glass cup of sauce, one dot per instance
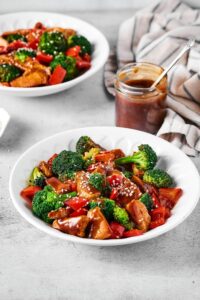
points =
(138, 106)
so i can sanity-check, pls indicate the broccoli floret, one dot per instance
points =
(68, 63)
(22, 54)
(147, 201)
(85, 143)
(14, 37)
(122, 217)
(106, 205)
(67, 162)
(93, 204)
(158, 177)
(81, 41)
(52, 42)
(65, 176)
(89, 157)
(45, 201)
(145, 158)
(97, 180)
(128, 174)
(37, 178)
(9, 72)
(107, 190)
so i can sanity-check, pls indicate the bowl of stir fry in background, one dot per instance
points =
(63, 73)
(170, 159)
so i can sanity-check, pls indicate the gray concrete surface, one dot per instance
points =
(36, 266)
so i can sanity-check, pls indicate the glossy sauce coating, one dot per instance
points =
(144, 111)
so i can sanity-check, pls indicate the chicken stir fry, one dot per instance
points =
(101, 194)
(42, 56)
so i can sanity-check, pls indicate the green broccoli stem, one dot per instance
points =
(125, 160)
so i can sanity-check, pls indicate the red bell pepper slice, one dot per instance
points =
(114, 180)
(86, 57)
(169, 196)
(59, 186)
(117, 230)
(3, 50)
(73, 51)
(160, 212)
(132, 232)
(157, 223)
(76, 202)
(83, 65)
(16, 45)
(80, 212)
(34, 44)
(28, 193)
(155, 199)
(58, 75)
(44, 58)
(159, 216)
(114, 194)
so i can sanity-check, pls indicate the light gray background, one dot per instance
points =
(36, 266)
(68, 5)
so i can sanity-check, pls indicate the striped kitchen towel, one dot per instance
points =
(156, 35)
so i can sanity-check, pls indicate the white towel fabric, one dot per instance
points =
(156, 34)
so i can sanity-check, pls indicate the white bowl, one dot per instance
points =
(28, 20)
(4, 120)
(179, 166)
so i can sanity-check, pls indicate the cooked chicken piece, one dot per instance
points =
(139, 214)
(3, 42)
(60, 213)
(35, 74)
(35, 77)
(45, 169)
(75, 226)
(59, 186)
(31, 64)
(66, 31)
(105, 157)
(109, 156)
(7, 59)
(118, 153)
(97, 168)
(101, 168)
(127, 190)
(84, 189)
(100, 229)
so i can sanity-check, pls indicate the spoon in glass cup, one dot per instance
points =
(187, 47)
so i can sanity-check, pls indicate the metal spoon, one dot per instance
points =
(188, 45)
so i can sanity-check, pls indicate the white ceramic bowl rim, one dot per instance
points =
(119, 135)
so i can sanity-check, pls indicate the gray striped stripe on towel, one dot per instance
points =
(155, 35)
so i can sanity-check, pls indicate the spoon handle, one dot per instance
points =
(185, 49)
